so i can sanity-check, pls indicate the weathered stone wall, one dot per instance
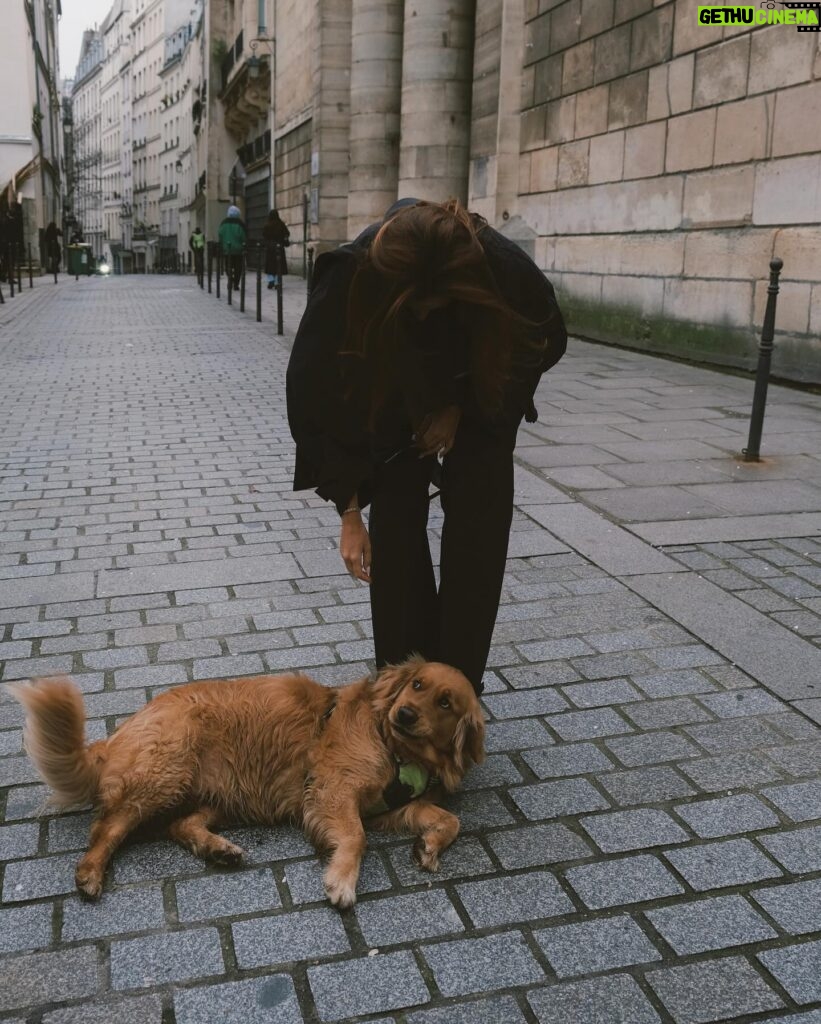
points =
(294, 28)
(663, 164)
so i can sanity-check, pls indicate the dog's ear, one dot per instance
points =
(469, 739)
(392, 678)
(468, 747)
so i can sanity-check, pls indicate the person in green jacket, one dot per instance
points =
(232, 238)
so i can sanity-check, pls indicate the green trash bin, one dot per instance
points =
(80, 259)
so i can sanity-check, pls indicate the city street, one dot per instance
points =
(643, 842)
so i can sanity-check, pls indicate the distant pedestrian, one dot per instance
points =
(54, 254)
(232, 237)
(196, 243)
(276, 236)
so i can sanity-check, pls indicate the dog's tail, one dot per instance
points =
(54, 737)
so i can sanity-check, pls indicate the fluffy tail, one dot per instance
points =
(54, 736)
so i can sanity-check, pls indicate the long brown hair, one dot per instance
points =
(431, 251)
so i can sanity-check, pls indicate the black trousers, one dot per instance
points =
(456, 624)
(234, 265)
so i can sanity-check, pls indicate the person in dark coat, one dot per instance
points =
(276, 236)
(422, 340)
(54, 254)
(196, 243)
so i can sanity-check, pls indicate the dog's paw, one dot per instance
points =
(89, 883)
(425, 857)
(226, 854)
(340, 891)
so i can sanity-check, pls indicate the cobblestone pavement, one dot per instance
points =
(643, 842)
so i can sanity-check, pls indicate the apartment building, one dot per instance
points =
(86, 216)
(115, 103)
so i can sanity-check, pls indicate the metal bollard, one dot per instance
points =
(229, 273)
(10, 262)
(210, 265)
(219, 268)
(242, 286)
(762, 376)
(280, 326)
(31, 276)
(259, 283)
(20, 272)
(309, 276)
(2, 300)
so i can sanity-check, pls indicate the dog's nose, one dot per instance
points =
(406, 715)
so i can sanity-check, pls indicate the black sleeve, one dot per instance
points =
(332, 446)
(526, 290)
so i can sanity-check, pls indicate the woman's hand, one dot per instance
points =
(355, 547)
(437, 433)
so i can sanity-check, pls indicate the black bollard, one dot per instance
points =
(10, 262)
(229, 273)
(210, 264)
(242, 287)
(219, 268)
(280, 326)
(259, 283)
(762, 376)
(31, 276)
(309, 277)
(2, 300)
(20, 270)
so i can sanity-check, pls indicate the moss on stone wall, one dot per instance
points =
(795, 357)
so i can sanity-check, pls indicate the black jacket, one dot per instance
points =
(335, 451)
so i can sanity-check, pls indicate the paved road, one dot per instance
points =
(644, 841)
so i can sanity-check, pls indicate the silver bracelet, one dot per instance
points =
(353, 508)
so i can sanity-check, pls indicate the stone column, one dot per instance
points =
(437, 74)
(331, 122)
(495, 120)
(376, 89)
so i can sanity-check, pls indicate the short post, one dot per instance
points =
(762, 376)
(219, 267)
(242, 286)
(20, 270)
(280, 319)
(2, 300)
(10, 262)
(309, 277)
(229, 273)
(259, 283)
(55, 263)
(31, 276)
(210, 264)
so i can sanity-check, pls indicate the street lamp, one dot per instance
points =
(254, 63)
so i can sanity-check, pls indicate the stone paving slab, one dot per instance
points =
(737, 528)
(771, 653)
(642, 843)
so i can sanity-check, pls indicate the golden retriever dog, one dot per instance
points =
(261, 750)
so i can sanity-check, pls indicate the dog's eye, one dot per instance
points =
(444, 703)
(416, 684)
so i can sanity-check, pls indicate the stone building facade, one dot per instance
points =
(652, 165)
(31, 133)
(663, 164)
